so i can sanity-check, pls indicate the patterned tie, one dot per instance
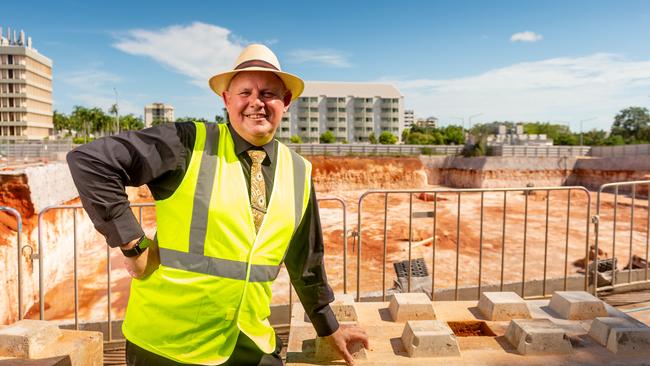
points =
(258, 188)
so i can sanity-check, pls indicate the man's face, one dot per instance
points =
(255, 101)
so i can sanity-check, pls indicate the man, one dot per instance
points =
(232, 204)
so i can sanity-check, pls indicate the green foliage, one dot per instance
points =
(219, 118)
(327, 138)
(569, 139)
(387, 138)
(633, 124)
(131, 122)
(295, 139)
(551, 130)
(615, 140)
(477, 149)
(61, 122)
(453, 135)
(191, 119)
(594, 138)
(372, 138)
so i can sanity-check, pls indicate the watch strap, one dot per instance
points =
(138, 248)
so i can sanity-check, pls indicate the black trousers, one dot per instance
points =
(246, 353)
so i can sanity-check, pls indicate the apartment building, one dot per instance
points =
(351, 111)
(25, 89)
(159, 112)
(409, 118)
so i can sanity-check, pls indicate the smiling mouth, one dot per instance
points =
(255, 116)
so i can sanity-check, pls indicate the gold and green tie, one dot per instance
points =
(258, 188)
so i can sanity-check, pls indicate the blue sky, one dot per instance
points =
(558, 61)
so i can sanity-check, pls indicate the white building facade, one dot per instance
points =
(351, 111)
(159, 112)
(25, 89)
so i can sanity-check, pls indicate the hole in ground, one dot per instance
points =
(472, 328)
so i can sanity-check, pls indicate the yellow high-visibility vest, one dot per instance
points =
(216, 272)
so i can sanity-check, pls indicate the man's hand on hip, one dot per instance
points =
(144, 264)
(345, 336)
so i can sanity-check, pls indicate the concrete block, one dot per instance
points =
(343, 308)
(577, 305)
(537, 337)
(503, 306)
(429, 338)
(601, 328)
(325, 352)
(629, 341)
(411, 306)
(621, 335)
(26, 338)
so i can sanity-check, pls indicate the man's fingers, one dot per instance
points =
(347, 357)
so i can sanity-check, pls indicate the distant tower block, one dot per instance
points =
(621, 335)
(537, 337)
(343, 308)
(503, 306)
(577, 305)
(325, 351)
(429, 338)
(411, 306)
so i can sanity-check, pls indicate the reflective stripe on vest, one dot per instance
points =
(194, 260)
(216, 271)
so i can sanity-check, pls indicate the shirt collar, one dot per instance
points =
(241, 146)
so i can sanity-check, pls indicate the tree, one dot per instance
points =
(629, 123)
(219, 119)
(372, 138)
(454, 135)
(569, 139)
(295, 139)
(131, 122)
(327, 137)
(80, 121)
(191, 119)
(594, 137)
(159, 121)
(387, 138)
(61, 122)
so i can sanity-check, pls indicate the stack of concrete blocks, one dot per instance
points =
(537, 337)
(423, 335)
(621, 335)
(47, 345)
(497, 306)
(345, 312)
(577, 305)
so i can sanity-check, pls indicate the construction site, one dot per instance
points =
(487, 260)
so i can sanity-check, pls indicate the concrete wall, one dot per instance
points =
(491, 172)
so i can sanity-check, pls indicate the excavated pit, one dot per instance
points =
(348, 178)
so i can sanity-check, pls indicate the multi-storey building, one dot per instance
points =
(429, 122)
(351, 111)
(158, 112)
(409, 118)
(25, 89)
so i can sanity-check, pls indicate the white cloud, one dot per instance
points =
(558, 89)
(526, 36)
(200, 50)
(326, 57)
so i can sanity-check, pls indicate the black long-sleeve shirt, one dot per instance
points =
(159, 157)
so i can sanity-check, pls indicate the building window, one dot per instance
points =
(341, 109)
(369, 129)
(313, 109)
(285, 129)
(331, 119)
(341, 129)
(313, 119)
(314, 129)
(331, 109)
(358, 110)
(368, 100)
(304, 99)
(342, 100)
(10, 59)
(395, 119)
(357, 119)
(331, 100)
(302, 119)
(368, 119)
(368, 110)
(303, 129)
(313, 99)
(341, 119)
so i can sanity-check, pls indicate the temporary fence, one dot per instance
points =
(19, 249)
(575, 221)
(633, 277)
(460, 193)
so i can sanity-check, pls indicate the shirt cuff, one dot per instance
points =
(324, 321)
(121, 229)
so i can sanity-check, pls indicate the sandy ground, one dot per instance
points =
(555, 256)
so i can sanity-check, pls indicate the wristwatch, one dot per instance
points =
(138, 248)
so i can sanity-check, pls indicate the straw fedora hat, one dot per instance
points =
(257, 57)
